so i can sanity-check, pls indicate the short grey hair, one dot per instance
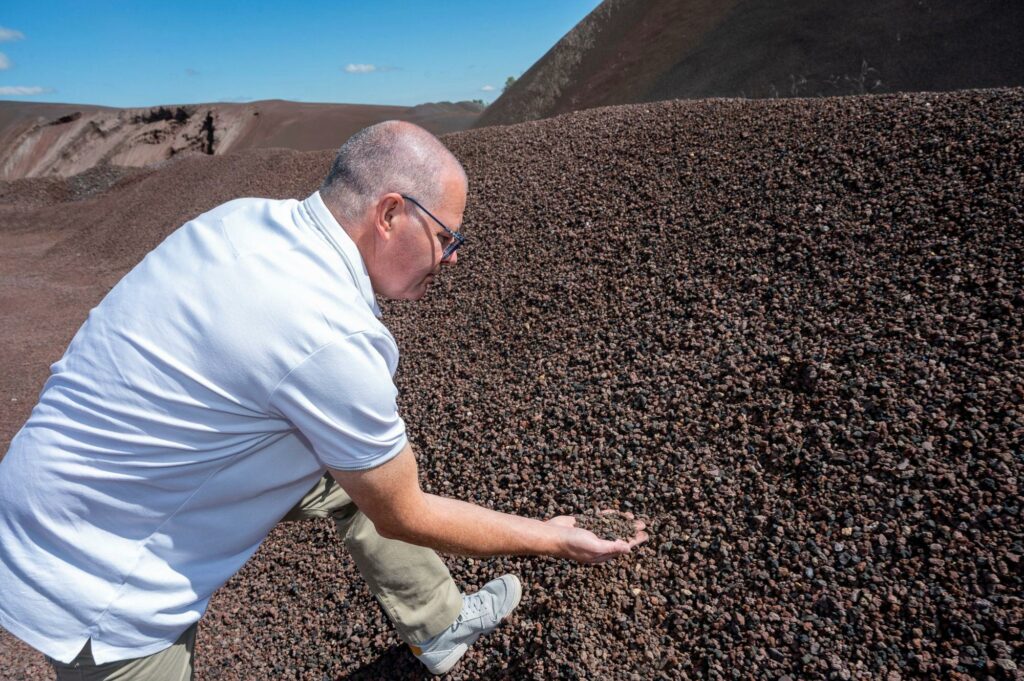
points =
(393, 156)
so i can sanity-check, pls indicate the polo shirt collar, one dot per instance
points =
(336, 235)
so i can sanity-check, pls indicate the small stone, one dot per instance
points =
(1006, 664)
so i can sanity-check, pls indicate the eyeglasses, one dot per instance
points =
(457, 239)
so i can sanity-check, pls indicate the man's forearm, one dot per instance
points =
(391, 497)
(461, 528)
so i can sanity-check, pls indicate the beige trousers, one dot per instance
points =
(170, 664)
(411, 583)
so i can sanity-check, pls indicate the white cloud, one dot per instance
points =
(488, 88)
(9, 34)
(22, 90)
(368, 68)
(5, 63)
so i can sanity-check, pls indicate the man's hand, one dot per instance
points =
(583, 546)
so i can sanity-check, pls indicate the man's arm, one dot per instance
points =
(391, 497)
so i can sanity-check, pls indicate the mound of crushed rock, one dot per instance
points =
(786, 333)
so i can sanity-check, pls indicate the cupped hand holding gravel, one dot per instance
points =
(583, 546)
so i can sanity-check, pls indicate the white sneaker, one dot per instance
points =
(481, 613)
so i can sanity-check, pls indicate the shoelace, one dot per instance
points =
(473, 608)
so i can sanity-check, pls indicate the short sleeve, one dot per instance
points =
(342, 399)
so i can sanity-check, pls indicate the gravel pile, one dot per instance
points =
(38, 191)
(786, 334)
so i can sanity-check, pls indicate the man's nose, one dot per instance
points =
(451, 259)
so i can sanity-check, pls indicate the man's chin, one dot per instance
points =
(413, 293)
(406, 295)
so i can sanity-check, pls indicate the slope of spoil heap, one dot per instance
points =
(786, 333)
(631, 51)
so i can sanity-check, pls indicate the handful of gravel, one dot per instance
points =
(610, 525)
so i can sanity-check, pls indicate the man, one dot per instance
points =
(204, 399)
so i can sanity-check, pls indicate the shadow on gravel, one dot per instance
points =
(395, 663)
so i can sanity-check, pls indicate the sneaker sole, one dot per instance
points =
(447, 663)
(519, 594)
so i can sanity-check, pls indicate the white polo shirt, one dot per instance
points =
(197, 404)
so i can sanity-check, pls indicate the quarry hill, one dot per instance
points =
(628, 51)
(66, 139)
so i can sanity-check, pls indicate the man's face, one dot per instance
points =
(411, 258)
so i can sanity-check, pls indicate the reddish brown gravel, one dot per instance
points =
(608, 525)
(787, 332)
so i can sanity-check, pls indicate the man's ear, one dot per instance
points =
(387, 209)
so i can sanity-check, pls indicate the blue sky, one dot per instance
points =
(147, 53)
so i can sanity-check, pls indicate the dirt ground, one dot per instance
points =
(786, 333)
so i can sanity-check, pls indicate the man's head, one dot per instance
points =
(400, 242)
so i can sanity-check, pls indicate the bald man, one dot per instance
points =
(239, 376)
